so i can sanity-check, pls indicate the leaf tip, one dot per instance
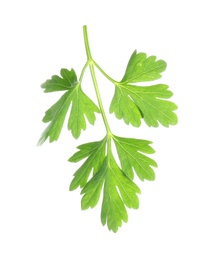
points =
(72, 186)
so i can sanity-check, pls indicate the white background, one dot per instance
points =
(39, 217)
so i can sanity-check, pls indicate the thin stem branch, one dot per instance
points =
(83, 70)
(104, 73)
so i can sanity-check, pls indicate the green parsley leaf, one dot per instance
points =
(130, 152)
(140, 68)
(57, 113)
(119, 191)
(131, 103)
(150, 105)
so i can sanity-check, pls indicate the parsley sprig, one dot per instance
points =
(100, 172)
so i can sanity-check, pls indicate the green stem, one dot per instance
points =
(104, 73)
(91, 66)
(83, 70)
